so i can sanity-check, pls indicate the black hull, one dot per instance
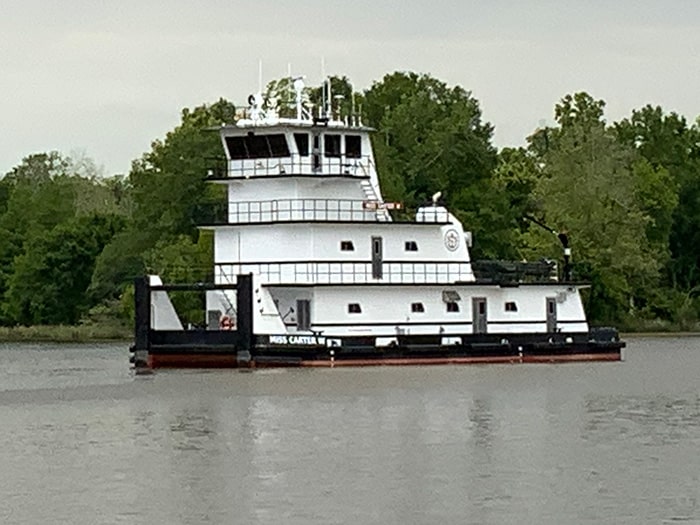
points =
(223, 349)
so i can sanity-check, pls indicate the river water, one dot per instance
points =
(83, 440)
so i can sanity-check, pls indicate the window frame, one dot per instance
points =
(417, 308)
(354, 308)
(452, 307)
(353, 146)
(330, 142)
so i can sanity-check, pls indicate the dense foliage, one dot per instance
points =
(627, 194)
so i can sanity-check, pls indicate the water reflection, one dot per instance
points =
(192, 430)
(482, 421)
(656, 420)
(561, 444)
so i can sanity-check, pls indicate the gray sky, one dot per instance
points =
(106, 78)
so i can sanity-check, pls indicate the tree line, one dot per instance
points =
(626, 193)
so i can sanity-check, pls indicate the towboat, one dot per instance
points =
(312, 267)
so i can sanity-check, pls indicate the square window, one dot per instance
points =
(411, 246)
(302, 142)
(354, 308)
(511, 306)
(417, 308)
(452, 306)
(353, 146)
(347, 246)
(331, 145)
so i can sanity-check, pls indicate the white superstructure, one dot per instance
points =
(306, 217)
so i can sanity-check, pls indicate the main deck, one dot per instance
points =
(241, 347)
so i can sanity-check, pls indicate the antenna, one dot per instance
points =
(298, 84)
(324, 105)
(338, 100)
(353, 117)
(329, 110)
(260, 75)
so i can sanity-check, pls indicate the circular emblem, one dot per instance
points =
(452, 240)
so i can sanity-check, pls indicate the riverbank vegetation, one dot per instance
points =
(626, 194)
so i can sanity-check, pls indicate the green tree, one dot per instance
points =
(516, 178)
(43, 192)
(431, 138)
(168, 184)
(601, 192)
(668, 143)
(181, 260)
(50, 280)
(168, 195)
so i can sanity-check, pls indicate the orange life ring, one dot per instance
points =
(225, 323)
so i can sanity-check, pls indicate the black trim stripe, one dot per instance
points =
(399, 323)
(346, 261)
(414, 285)
(532, 322)
(433, 323)
(287, 176)
(323, 221)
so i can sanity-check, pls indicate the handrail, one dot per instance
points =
(296, 164)
(351, 272)
(280, 210)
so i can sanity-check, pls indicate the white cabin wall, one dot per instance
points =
(532, 306)
(278, 188)
(321, 242)
(262, 243)
(380, 304)
(286, 301)
(226, 245)
(391, 305)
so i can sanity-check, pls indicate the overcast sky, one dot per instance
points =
(106, 78)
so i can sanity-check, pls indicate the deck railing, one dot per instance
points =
(281, 210)
(297, 165)
(351, 272)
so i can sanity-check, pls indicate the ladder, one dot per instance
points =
(372, 197)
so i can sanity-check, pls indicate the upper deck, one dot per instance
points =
(287, 147)
(263, 144)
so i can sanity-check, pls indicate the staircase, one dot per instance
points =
(230, 309)
(371, 196)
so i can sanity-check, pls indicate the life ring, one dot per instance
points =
(225, 323)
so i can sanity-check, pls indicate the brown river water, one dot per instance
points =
(83, 440)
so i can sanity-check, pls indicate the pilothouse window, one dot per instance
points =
(354, 308)
(302, 142)
(254, 146)
(258, 146)
(347, 246)
(331, 145)
(353, 146)
(417, 308)
(278, 145)
(236, 147)
(411, 246)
